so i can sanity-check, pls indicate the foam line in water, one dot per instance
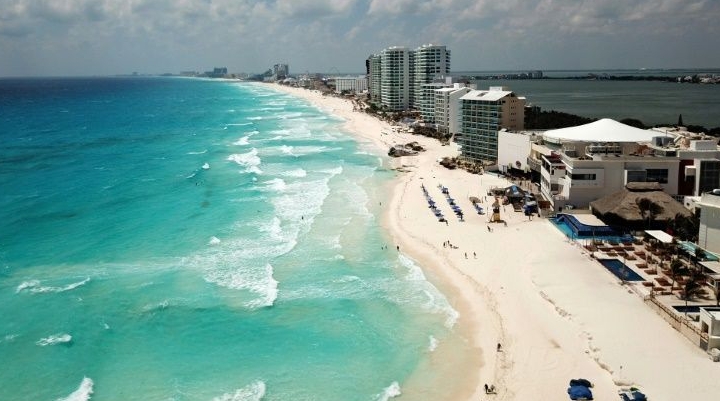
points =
(391, 391)
(83, 392)
(35, 287)
(61, 338)
(434, 301)
(433, 343)
(252, 392)
(261, 283)
(198, 153)
(250, 160)
(242, 141)
(298, 173)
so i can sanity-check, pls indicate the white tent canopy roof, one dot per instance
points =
(605, 130)
(661, 236)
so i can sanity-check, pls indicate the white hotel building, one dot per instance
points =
(396, 77)
(357, 84)
(584, 163)
(447, 108)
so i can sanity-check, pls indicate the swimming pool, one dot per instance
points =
(620, 270)
(690, 248)
(573, 229)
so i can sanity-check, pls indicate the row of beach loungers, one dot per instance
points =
(432, 205)
(456, 209)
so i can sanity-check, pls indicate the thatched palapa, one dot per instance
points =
(638, 205)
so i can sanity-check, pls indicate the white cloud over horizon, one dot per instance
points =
(98, 37)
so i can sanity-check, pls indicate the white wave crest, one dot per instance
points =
(299, 173)
(83, 392)
(198, 153)
(390, 391)
(35, 287)
(250, 160)
(214, 241)
(262, 283)
(434, 301)
(238, 124)
(9, 338)
(242, 141)
(252, 392)
(433, 344)
(61, 338)
(276, 184)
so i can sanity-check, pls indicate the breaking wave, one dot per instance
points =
(250, 160)
(83, 392)
(390, 391)
(62, 338)
(252, 392)
(35, 287)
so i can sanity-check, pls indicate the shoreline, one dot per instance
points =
(557, 313)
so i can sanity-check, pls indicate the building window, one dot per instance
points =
(658, 175)
(583, 177)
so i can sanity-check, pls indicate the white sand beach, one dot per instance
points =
(558, 314)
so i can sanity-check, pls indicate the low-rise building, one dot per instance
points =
(709, 235)
(602, 157)
(357, 84)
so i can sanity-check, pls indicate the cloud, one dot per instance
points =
(252, 34)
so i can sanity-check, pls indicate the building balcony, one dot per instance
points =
(534, 164)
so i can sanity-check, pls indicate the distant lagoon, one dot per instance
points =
(652, 102)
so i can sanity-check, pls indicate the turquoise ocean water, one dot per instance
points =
(173, 239)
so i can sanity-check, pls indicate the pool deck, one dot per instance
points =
(588, 219)
(657, 283)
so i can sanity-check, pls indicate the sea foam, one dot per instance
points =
(426, 294)
(61, 338)
(257, 281)
(83, 392)
(252, 392)
(35, 287)
(391, 391)
(250, 160)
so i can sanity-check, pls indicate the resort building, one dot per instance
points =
(710, 326)
(281, 71)
(357, 84)
(514, 148)
(593, 160)
(482, 114)
(447, 108)
(425, 100)
(373, 69)
(395, 78)
(709, 236)
(429, 62)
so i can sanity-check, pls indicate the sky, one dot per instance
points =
(106, 37)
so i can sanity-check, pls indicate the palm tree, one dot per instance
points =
(694, 285)
(644, 205)
(684, 227)
(699, 255)
(654, 210)
(677, 269)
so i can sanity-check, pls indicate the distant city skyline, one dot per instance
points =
(106, 37)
